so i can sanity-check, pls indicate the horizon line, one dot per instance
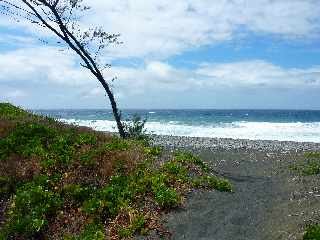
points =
(172, 109)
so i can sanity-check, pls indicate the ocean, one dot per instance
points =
(282, 125)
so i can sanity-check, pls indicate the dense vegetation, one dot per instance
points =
(312, 232)
(65, 182)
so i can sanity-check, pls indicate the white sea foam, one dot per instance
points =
(300, 132)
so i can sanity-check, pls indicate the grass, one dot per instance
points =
(310, 166)
(312, 232)
(9, 111)
(64, 182)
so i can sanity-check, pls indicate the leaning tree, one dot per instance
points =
(63, 19)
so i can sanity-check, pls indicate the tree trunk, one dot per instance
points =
(75, 45)
(115, 110)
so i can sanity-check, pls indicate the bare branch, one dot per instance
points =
(55, 3)
(17, 7)
(42, 20)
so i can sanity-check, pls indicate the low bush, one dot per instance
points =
(189, 158)
(312, 232)
(6, 186)
(55, 174)
(153, 151)
(78, 193)
(33, 204)
(211, 182)
(135, 128)
(8, 111)
(137, 225)
(93, 231)
(310, 166)
(117, 144)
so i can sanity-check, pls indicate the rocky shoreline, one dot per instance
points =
(200, 143)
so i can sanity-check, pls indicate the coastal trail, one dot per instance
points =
(270, 201)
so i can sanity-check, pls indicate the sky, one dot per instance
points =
(221, 54)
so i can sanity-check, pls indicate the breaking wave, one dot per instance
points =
(295, 131)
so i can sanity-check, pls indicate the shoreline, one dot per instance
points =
(214, 144)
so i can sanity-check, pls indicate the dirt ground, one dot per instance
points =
(270, 201)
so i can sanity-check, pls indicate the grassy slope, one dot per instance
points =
(64, 182)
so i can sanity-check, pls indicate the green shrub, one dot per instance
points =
(176, 171)
(110, 200)
(93, 205)
(55, 148)
(5, 149)
(137, 225)
(26, 140)
(8, 111)
(153, 151)
(167, 197)
(312, 155)
(135, 128)
(117, 144)
(158, 180)
(310, 166)
(189, 158)
(174, 168)
(87, 159)
(138, 222)
(86, 138)
(47, 181)
(35, 204)
(31, 208)
(312, 233)
(78, 193)
(125, 232)
(6, 186)
(212, 182)
(62, 150)
(93, 231)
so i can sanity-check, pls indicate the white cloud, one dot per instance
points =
(260, 73)
(153, 31)
(162, 28)
(41, 66)
(246, 74)
(47, 66)
(45, 77)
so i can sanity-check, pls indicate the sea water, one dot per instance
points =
(283, 125)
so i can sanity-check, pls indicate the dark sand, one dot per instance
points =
(270, 201)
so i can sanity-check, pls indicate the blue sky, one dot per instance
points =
(176, 54)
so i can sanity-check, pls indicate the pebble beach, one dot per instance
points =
(197, 143)
(269, 201)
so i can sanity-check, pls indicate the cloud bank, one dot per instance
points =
(165, 27)
(154, 31)
(48, 66)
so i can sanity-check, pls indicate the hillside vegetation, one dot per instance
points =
(60, 181)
